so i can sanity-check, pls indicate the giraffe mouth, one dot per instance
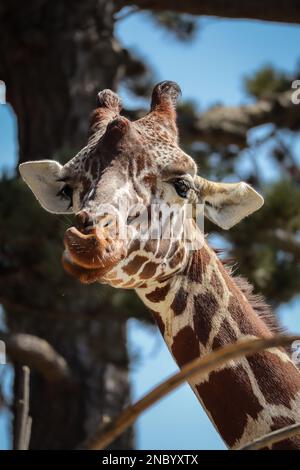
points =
(88, 257)
(84, 275)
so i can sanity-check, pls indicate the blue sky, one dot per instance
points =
(209, 70)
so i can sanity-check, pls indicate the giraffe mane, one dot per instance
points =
(257, 301)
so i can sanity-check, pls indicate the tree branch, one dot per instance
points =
(273, 437)
(201, 366)
(22, 419)
(229, 125)
(284, 241)
(38, 354)
(226, 125)
(268, 10)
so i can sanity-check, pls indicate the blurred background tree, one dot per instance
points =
(54, 58)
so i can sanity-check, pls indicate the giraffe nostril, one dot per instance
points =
(83, 221)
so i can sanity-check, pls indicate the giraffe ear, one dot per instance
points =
(226, 204)
(43, 178)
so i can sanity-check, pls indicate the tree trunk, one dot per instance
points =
(54, 57)
(283, 11)
(64, 413)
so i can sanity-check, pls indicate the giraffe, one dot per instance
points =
(196, 302)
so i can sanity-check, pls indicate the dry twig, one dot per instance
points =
(22, 418)
(273, 437)
(200, 366)
(38, 354)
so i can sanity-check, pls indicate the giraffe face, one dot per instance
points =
(123, 191)
(130, 189)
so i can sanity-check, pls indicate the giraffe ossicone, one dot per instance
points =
(130, 175)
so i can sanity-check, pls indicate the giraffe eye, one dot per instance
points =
(182, 187)
(67, 193)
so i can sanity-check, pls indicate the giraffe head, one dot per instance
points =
(128, 175)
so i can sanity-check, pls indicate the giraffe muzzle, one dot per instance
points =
(89, 256)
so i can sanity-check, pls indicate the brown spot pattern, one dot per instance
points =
(140, 163)
(206, 306)
(150, 180)
(134, 246)
(177, 258)
(185, 346)
(229, 397)
(279, 381)
(251, 314)
(292, 443)
(225, 335)
(199, 264)
(288, 444)
(158, 294)
(280, 422)
(134, 265)
(216, 284)
(247, 320)
(161, 248)
(148, 270)
(151, 246)
(173, 249)
(179, 303)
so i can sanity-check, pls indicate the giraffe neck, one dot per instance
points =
(202, 309)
